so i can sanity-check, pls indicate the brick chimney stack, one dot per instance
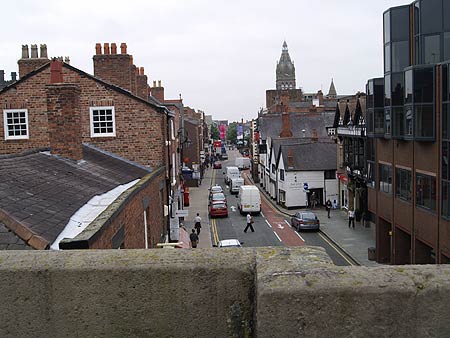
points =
(64, 117)
(27, 64)
(141, 84)
(117, 69)
(158, 91)
(285, 125)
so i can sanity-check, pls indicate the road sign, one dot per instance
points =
(305, 186)
(182, 213)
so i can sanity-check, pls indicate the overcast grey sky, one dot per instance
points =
(220, 55)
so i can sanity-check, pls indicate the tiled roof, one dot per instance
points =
(310, 156)
(41, 192)
(269, 125)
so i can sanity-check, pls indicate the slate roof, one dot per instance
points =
(269, 125)
(310, 156)
(41, 191)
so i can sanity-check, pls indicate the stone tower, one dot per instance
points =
(332, 91)
(285, 70)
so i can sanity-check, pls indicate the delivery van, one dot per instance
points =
(231, 172)
(249, 199)
(242, 162)
(235, 184)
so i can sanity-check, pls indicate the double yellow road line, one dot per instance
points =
(215, 235)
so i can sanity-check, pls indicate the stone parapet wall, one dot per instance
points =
(248, 292)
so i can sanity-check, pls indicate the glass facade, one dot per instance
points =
(445, 128)
(375, 107)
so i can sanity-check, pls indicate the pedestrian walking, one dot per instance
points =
(351, 218)
(198, 223)
(249, 223)
(328, 206)
(194, 239)
(313, 200)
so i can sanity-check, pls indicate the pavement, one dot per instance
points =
(354, 242)
(198, 203)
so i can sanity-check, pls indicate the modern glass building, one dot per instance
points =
(409, 136)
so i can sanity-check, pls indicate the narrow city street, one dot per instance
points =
(272, 228)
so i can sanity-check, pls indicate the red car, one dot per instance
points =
(217, 165)
(218, 209)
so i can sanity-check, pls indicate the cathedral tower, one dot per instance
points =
(285, 70)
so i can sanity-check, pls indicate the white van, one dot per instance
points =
(235, 184)
(243, 162)
(249, 199)
(230, 173)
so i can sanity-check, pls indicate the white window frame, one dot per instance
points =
(91, 121)
(5, 124)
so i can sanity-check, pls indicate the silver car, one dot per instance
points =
(305, 220)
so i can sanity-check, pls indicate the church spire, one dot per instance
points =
(332, 91)
(285, 70)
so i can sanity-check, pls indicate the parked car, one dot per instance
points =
(217, 197)
(215, 189)
(305, 220)
(218, 208)
(229, 243)
(217, 165)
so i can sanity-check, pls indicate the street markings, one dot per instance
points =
(300, 236)
(337, 249)
(290, 226)
(233, 208)
(277, 236)
(268, 223)
(280, 226)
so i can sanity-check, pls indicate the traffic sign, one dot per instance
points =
(305, 186)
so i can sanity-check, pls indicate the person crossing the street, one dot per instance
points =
(249, 223)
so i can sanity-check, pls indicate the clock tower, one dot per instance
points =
(285, 71)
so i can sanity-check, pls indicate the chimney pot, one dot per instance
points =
(113, 48)
(67, 60)
(154, 83)
(123, 48)
(44, 51)
(98, 49)
(13, 76)
(25, 52)
(141, 71)
(106, 50)
(34, 52)
(159, 83)
(2, 76)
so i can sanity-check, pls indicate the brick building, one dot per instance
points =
(407, 121)
(60, 108)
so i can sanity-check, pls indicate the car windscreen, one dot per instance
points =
(218, 197)
(308, 215)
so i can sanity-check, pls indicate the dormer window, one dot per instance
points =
(102, 121)
(15, 123)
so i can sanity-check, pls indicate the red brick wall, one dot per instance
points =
(140, 130)
(64, 120)
(131, 217)
(30, 95)
(115, 69)
(28, 65)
